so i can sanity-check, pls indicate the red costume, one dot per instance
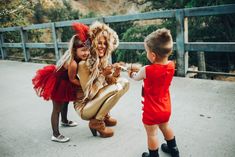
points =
(156, 95)
(52, 82)
(54, 85)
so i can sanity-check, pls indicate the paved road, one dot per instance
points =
(203, 119)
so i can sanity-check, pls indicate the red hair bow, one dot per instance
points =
(81, 30)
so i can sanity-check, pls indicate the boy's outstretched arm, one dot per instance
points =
(140, 75)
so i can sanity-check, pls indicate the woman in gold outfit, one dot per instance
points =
(100, 81)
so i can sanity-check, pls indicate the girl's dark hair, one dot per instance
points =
(77, 43)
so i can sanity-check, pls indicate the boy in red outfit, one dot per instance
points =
(156, 101)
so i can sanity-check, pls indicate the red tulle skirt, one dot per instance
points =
(54, 85)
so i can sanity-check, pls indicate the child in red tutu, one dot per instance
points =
(60, 83)
(155, 92)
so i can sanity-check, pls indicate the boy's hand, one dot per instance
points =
(117, 70)
(130, 73)
(133, 68)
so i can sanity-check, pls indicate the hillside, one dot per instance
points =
(99, 7)
(106, 7)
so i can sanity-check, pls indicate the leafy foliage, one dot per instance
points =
(209, 28)
(12, 12)
(134, 34)
(121, 27)
(137, 33)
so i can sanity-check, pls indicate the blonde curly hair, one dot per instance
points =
(94, 63)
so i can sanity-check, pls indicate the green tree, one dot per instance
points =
(39, 14)
(12, 12)
(134, 34)
(63, 13)
(211, 28)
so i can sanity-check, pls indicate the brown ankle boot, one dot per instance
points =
(109, 121)
(99, 125)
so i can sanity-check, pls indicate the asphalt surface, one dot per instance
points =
(203, 120)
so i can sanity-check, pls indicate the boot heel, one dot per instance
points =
(93, 131)
(99, 126)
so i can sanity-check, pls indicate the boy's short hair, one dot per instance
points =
(160, 42)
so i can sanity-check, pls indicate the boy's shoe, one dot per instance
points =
(165, 148)
(69, 124)
(145, 154)
(60, 138)
(152, 153)
(173, 151)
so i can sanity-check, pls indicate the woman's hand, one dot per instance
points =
(107, 70)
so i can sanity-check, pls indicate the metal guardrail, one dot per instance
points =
(181, 45)
(211, 73)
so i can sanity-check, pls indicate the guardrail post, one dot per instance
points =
(24, 39)
(59, 39)
(57, 55)
(181, 38)
(201, 64)
(102, 19)
(3, 53)
(1, 48)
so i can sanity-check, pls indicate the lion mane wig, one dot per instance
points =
(94, 63)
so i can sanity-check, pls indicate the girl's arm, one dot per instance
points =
(140, 75)
(72, 72)
(63, 61)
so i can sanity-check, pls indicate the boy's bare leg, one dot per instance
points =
(152, 139)
(171, 146)
(167, 131)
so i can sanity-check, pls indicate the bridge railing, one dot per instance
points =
(181, 45)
